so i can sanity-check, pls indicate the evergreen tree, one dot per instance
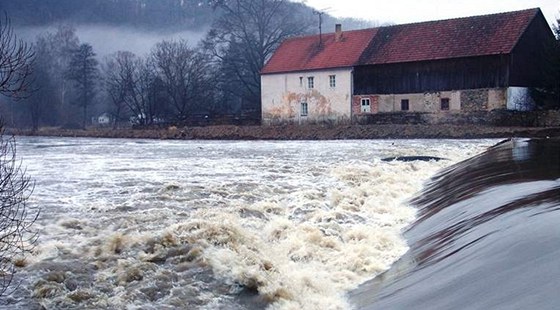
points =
(83, 71)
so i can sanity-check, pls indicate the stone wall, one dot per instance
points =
(459, 101)
(474, 100)
(503, 118)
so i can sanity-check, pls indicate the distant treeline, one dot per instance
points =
(215, 80)
(148, 14)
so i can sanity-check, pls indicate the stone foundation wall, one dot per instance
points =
(474, 100)
(503, 118)
(460, 101)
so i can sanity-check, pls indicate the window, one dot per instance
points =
(445, 104)
(301, 81)
(310, 82)
(366, 105)
(303, 109)
(404, 105)
(332, 81)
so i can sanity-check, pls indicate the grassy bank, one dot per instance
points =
(306, 132)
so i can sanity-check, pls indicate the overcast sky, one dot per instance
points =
(408, 11)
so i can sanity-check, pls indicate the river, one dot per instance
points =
(150, 224)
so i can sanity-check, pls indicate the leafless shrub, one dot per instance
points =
(16, 219)
(16, 59)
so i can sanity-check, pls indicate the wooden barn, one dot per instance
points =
(478, 63)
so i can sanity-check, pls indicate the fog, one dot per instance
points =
(110, 39)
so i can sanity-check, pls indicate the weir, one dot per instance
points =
(486, 236)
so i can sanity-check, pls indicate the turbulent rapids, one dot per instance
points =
(231, 225)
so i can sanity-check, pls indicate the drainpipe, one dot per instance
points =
(351, 95)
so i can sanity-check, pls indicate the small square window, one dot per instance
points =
(310, 82)
(332, 81)
(405, 105)
(366, 105)
(445, 104)
(303, 109)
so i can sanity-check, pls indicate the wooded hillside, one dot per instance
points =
(149, 14)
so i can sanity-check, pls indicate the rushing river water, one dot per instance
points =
(140, 224)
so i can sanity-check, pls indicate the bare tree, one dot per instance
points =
(16, 239)
(133, 84)
(42, 99)
(16, 236)
(118, 77)
(184, 74)
(244, 38)
(16, 58)
(150, 93)
(57, 49)
(63, 44)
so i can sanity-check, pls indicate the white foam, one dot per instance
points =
(301, 222)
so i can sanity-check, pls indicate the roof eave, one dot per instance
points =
(308, 70)
(433, 59)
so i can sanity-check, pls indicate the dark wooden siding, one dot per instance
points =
(432, 76)
(529, 57)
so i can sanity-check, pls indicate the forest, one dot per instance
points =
(180, 81)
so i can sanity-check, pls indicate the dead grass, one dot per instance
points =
(306, 132)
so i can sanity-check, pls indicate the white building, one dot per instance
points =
(310, 79)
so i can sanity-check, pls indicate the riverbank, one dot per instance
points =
(306, 132)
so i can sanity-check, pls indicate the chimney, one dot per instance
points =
(338, 33)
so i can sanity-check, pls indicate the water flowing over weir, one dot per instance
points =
(139, 224)
(487, 236)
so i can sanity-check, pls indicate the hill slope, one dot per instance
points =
(147, 14)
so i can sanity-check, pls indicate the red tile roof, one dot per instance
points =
(305, 53)
(453, 38)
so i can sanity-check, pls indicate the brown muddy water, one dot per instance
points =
(144, 224)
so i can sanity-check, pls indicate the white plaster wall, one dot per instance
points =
(282, 96)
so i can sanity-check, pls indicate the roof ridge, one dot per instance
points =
(329, 33)
(536, 9)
